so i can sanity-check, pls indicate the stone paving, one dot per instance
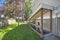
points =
(51, 37)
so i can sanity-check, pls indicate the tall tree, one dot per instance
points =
(28, 6)
(12, 7)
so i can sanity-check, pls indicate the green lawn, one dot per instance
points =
(22, 32)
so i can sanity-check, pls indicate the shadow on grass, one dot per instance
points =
(7, 28)
(23, 32)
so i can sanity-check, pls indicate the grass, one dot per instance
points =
(21, 32)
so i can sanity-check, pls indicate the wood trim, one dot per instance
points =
(50, 20)
(42, 22)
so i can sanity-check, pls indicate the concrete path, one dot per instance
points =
(51, 37)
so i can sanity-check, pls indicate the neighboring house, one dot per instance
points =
(49, 18)
(11, 21)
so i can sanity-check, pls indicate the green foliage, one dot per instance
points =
(12, 8)
(28, 5)
(22, 32)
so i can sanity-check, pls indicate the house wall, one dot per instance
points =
(46, 23)
(49, 2)
(59, 26)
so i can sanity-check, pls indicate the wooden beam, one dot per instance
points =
(42, 22)
(50, 20)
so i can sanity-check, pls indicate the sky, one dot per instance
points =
(2, 3)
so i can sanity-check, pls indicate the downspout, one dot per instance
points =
(57, 24)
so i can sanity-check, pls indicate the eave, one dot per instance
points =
(37, 11)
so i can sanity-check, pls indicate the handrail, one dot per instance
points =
(34, 25)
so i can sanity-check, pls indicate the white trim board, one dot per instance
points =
(48, 17)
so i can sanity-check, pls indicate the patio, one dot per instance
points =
(51, 37)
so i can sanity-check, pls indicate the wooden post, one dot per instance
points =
(50, 20)
(42, 22)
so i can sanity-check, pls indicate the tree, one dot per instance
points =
(12, 7)
(28, 6)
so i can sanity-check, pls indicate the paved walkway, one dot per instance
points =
(51, 37)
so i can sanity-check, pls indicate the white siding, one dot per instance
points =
(49, 2)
